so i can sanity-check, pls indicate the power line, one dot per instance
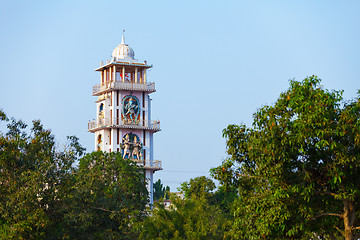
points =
(183, 171)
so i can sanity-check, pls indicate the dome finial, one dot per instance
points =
(123, 51)
(123, 38)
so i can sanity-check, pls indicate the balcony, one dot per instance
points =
(118, 85)
(95, 125)
(149, 164)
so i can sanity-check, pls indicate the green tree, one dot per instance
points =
(44, 196)
(35, 179)
(197, 187)
(224, 197)
(297, 169)
(195, 217)
(108, 197)
(203, 187)
(167, 192)
(160, 191)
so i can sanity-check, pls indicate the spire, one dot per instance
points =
(123, 37)
(123, 51)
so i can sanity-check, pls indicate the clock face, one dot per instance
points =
(130, 110)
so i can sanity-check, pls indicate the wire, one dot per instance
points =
(183, 171)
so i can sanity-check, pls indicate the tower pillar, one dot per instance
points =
(123, 120)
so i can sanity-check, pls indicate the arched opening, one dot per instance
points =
(99, 142)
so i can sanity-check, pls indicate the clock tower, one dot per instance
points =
(123, 111)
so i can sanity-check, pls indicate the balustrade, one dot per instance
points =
(118, 85)
(149, 164)
(106, 122)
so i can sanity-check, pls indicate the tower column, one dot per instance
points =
(114, 74)
(136, 75)
(144, 78)
(113, 105)
(123, 73)
(149, 184)
(113, 138)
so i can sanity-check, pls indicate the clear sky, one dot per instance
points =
(215, 63)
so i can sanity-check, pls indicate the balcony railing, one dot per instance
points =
(149, 164)
(115, 122)
(118, 85)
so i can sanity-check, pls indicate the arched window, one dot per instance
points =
(99, 143)
(101, 110)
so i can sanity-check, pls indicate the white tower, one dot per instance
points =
(123, 116)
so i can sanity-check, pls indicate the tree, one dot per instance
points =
(108, 197)
(197, 187)
(297, 169)
(224, 198)
(195, 217)
(203, 187)
(160, 191)
(167, 192)
(44, 196)
(34, 179)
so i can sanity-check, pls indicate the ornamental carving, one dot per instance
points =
(130, 110)
(131, 147)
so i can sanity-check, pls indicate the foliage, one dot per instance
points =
(34, 179)
(198, 187)
(43, 196)
(224, 198)
(160, 191)
(191, 218)
(167, 193)
(109, 196)
(297, 169)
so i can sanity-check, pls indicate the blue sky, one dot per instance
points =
(215, 63)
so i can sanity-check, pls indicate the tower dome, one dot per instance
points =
(123, 51)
